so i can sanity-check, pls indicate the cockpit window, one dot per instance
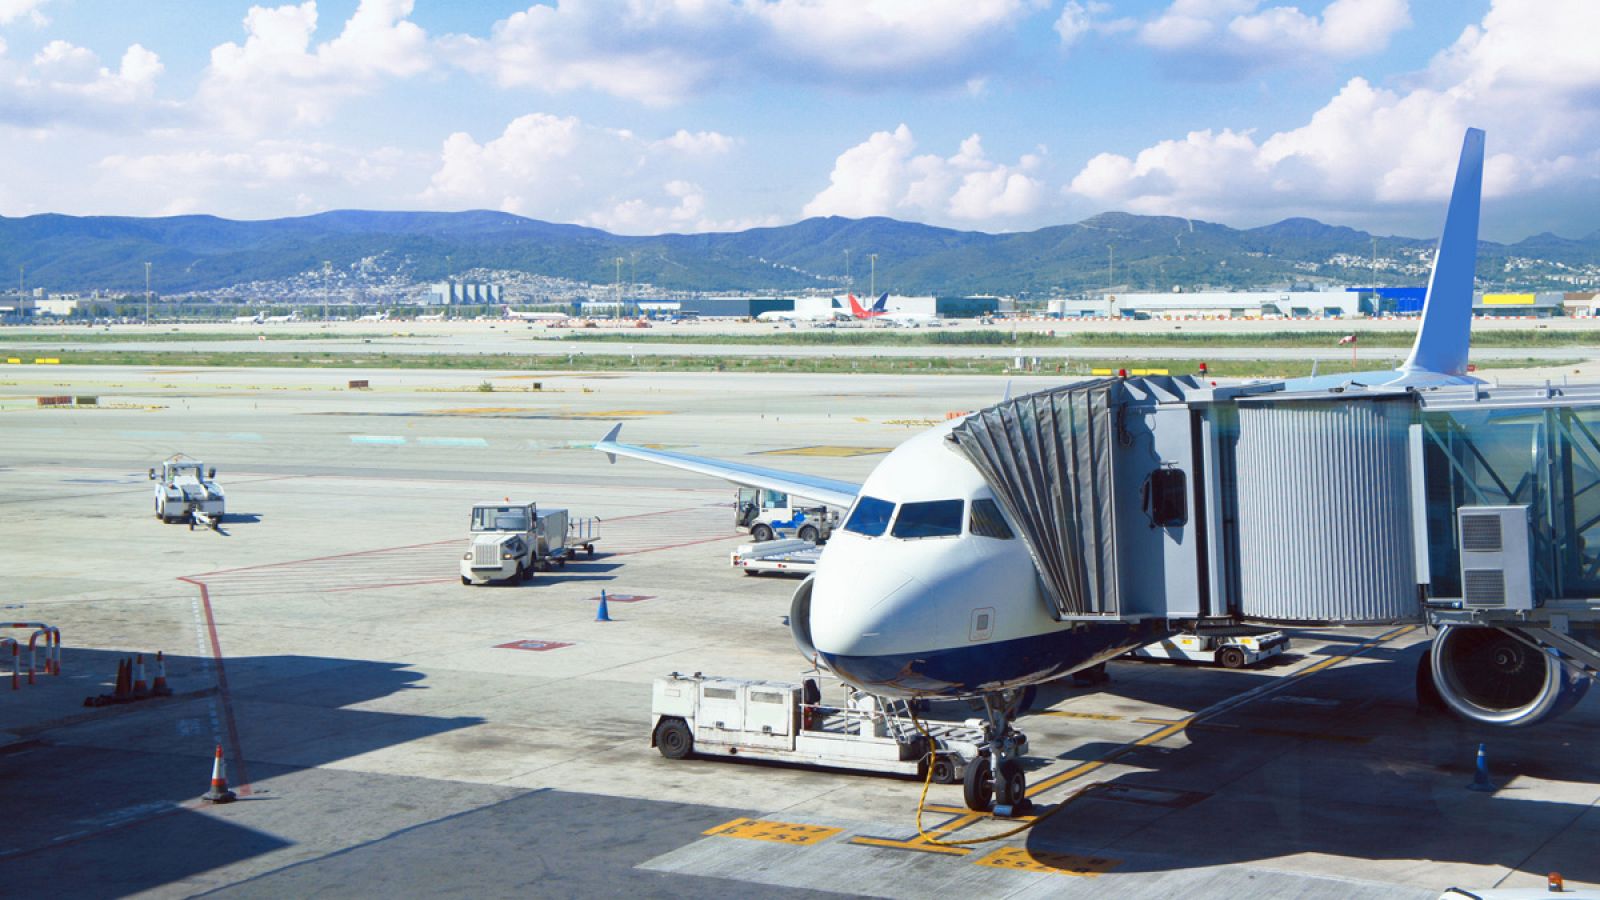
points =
(870, 517)
(933, 518)
(986, 521)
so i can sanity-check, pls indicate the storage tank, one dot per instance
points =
(1324, 518)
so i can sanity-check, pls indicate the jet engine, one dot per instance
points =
(800, 619)
(1488, 675)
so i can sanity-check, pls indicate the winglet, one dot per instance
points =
(1445, 337)
(610, 438)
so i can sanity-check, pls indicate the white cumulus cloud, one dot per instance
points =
(884, 176)
(1528, 74)
(12, 10)
(277, 79)
(661, 51)
(1236, 37)
(562, 169)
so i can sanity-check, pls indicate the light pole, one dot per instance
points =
(1111, 300)
(327, 272)
(847, 270)
(147, 293)
(619, 288)
(1375, 274)
(873, 284)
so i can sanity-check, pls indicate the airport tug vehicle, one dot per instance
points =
(1230, 648)
(788, 722)
(769, 514)
(512, 540)
(186, 491)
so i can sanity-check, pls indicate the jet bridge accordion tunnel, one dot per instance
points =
(1167, 497)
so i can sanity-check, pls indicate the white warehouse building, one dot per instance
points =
(1214, 304)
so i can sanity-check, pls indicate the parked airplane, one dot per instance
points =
(789, 315)
(291, 317)
(877, 309)
(536, 316)
(374, 317)
(436, 317)
(256, 319)
(927, 591)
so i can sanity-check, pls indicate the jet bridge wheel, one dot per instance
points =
(674, 739)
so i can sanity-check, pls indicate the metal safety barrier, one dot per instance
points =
(52, 648)
(15, 663)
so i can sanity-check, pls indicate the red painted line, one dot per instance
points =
(372, 587)
(675, 546)
(296, 562)
(222, 688)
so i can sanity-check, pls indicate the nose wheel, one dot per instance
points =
(996, 782)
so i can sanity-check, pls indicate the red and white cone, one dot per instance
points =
(160, 688)
(141, 688)
(219, 792)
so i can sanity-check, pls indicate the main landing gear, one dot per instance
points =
(995, 780)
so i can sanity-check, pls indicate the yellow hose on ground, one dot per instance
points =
(928, 780)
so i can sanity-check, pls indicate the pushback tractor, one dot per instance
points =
(186, 492)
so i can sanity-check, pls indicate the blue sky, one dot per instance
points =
(641, 116)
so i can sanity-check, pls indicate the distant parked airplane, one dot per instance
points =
(536, 316)
(877, 309)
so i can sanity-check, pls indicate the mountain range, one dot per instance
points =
(200, 253)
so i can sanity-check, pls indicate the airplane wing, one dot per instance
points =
(824, 490)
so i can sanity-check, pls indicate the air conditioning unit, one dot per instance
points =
(1496, 557)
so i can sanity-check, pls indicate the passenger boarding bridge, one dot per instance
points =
(1455, 505)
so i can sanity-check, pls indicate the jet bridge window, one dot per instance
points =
(1166, 498)
(929, 519)
(986, 521)
(870, 517)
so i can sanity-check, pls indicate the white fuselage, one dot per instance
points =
(946, 615)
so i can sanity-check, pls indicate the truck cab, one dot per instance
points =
(505, 543)
(766, 514)
(184, 490)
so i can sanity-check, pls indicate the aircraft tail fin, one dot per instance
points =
(1445, 337)
(881, 305)
(855, 306)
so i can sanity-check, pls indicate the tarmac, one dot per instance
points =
(391, 731)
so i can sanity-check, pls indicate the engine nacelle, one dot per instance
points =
(1487, 675)
(800, 619)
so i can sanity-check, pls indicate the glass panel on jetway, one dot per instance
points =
(1545, 457)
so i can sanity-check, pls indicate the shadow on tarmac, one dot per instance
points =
(105, 802)
(1344, 765)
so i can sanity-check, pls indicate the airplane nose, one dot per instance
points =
(848, 607)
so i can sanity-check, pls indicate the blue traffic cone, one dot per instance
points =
(603, 614)
(1480, 780)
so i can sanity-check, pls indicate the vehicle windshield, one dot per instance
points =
(181, 469)
(870, 517)
(929, 519)
(499, 518)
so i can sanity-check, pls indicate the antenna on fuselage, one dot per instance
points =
(1445, 337)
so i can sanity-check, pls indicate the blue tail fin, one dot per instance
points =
(1446, 333)
(883, 299)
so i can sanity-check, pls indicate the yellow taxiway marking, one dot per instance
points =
(779, 832)
(1021, 859)
(917, 844)
(825, 450)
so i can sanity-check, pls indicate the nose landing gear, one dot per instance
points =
(996, 781)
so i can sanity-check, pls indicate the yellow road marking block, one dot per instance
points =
(47, 361)
(14, 361)
(778, 832)
(1149, 372)
(1067, 714)
(916, 844)
(1021, 859)
(1102, 371)
(825, 450)
(617, 413)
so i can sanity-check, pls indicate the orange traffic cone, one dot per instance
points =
(141, 688)
(124, 689)
(219, 792)
(160, 688)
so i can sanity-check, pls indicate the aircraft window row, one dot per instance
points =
(927, 519)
